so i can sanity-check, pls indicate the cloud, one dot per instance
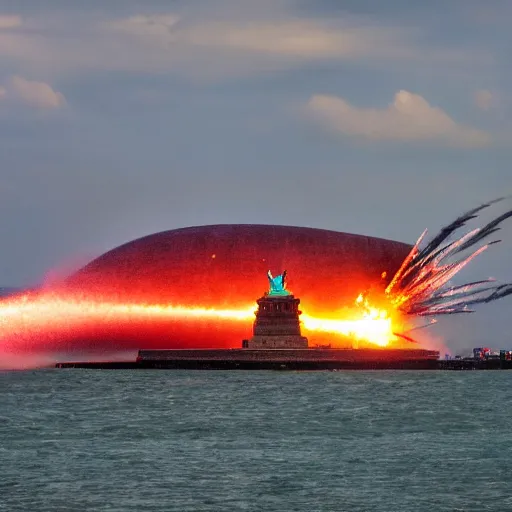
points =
(484, 99)
(9, 21)
(235, 38)
(305, 39)
(31, 93)
(157, 27)
(409, 118)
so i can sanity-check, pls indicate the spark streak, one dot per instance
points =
(419, 288)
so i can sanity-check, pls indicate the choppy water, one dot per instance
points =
(255, 441)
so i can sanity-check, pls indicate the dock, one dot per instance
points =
(273, 359)
(294, 360)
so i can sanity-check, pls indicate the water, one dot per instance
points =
(255, 441)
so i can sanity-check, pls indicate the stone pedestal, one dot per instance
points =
(277, 324)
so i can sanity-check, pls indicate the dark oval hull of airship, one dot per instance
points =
(224, 267)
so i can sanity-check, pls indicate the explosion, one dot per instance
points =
(380, 317)
(420, 288)
(369, 324)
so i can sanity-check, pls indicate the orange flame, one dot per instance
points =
(368, 323)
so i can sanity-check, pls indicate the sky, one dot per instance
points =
(120, 119)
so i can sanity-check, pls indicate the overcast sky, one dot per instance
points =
(119, 119)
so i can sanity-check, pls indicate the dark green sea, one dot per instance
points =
(80, 440)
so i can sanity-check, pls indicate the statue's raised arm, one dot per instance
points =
(277, 284)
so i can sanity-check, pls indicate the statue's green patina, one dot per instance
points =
(277, 285)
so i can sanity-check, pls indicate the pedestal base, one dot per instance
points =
(280, 341)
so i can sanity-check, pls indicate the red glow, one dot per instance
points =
(197, 287)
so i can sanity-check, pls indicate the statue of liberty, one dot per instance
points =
(277, 284)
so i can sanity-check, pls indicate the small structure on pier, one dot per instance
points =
(277, 324)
